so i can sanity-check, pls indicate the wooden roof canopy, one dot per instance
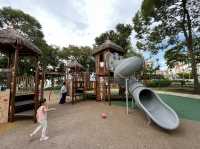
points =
(75, 65)
(10, 40)
(108, 45)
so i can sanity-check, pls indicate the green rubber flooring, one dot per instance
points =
(186, 108)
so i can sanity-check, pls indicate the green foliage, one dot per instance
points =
(3, 61)
(152, 76)
(22, 22)
(132, 52)
(178, 53)
(148, 7)
(158, 83)
(55, 88)
(120, 36)
(50, 55)
(171, 25)
(185, 75)
(31, 29)
(80, 54)
(25, 66)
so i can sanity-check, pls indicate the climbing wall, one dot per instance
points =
(4, 105)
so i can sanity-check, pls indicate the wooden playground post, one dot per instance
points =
(77, 79)
(73, 87)
(109, 93)
(42, 84)
(13, 83)
(36, 88)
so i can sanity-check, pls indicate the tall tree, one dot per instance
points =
(179, 53)
(25, 24)
(121, 36)
(31, 29)
(81, 54)
(50, 55)
(169, 24)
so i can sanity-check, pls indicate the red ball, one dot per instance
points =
(103, 115)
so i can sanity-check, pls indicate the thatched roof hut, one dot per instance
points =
(74, 65)
(108, 45)
(10, 39)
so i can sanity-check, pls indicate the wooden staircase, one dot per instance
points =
(24, 106)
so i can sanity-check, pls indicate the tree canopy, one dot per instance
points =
(120, 36)
(25, 24)
(31, 29)
(171, 25)
(82, 55)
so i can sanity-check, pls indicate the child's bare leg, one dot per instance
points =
(36, 130)
(44, 132)
(44, 128)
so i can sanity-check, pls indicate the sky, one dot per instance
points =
(78, 22)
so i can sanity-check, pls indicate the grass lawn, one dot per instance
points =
(177, 90)
(186, 108)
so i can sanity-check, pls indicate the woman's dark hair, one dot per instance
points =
(43, 101)
(64, 83)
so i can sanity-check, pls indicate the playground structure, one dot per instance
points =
(77, 81)
(109, 61)
(57, 77)
(104, 77)
(24, 91)
(53, 79)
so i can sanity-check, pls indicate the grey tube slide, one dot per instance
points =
(145, 98)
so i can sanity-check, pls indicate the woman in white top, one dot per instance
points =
(63, 93)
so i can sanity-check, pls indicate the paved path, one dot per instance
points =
(178, 94)
(80, 126)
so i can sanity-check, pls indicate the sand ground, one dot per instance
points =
(80, 126)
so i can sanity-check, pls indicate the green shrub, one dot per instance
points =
(53, 88)
(185, 75)
(157, 83)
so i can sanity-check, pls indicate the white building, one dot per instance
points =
(182, 68)
(179, 68)
(198, 71)
(164, 73)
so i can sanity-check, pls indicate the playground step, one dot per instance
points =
(24, 97)
(29, 113)
(25, 102)
(24, 105)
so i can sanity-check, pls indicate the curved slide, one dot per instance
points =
(145, 98)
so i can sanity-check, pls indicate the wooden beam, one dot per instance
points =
(36, 89)
(42, 85)
(13, 84)
(109, 93)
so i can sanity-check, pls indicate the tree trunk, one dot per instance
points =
(189, 40)
(193, 64)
